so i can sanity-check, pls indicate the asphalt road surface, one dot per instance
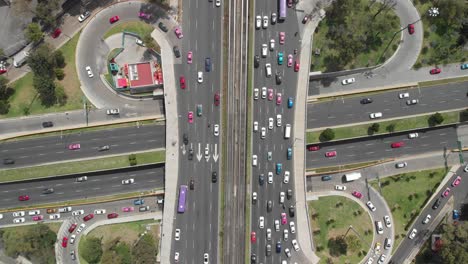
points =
(379, 147)
(66, 189)
(48, 149)
(347, 110)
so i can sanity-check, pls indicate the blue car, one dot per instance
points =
(289, 153)
(279, 168)
(290, 102)
(139, 202)
(278, 247)
(280, 58)
(464, 66)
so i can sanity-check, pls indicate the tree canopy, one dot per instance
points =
(455, 243)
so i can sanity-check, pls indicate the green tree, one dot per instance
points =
(391, 128)
(327, 135)
(59, 59)
(42, 62)
(59, 74)
(33, 32)
(45, 87)
(353, 243)
(60, 94)
(374, 128)
(455, 246)
(92, 250)
(46, 12)
(337, 246)
(145, 250)
(435, 119)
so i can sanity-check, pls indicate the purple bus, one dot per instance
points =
(182, 193)
(282, 9)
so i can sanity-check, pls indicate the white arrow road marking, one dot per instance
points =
(215, 155)
(199, 155)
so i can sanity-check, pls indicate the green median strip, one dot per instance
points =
(444, 81)
(343, 167)
(398, 125)
(81, 166)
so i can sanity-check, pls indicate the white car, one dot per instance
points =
(176, 257)
(99, 211)
(72, 239)
(403, 95)
(200, 77)
(264, 50)
(379, 227)
(370, 261)
(218, 3)
(84, 16)
(270, 123)
(258, 22)
(401, 165)
(254, 160)
(348, 81)
(254, 197)
(375, 115)
(128, 181)
(413, 233)
(277, 225)
(381, 259)
(54, 216)
(265, 22)
(270, 177)
(80, 228)
(387, 221)
(78, 212)
(287, 252)
(114, 111)
(216, 130)
(278, 120)
(255, 126)
(268, 234)
(263, 133)
(34, 212)
(295, 245)
(207, 151)
(340, 187)
(281, 197)
(286, 177)
(413, 135)
(261, 222)
(256, 93)
(89, 71)
(19, 214)
(177, 234)
(206, 258)
(264, 92)
(412, 102)
(427, 219)
(292, 226)
(1, 216)
(19, 220)
(272, 44)
(285, 234)
(371, 206)
(139, 42)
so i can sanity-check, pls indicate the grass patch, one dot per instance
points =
(323, 211)
(406, 194)
(400, 125)
(343, 167)
(137, 27)
(445, 81)
(21, 230)
(79, 166)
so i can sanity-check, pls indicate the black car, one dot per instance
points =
(269, 206)
(279, 79)
(292, 210)
(326, 178)
(8, 161)
(261, 179)
(190, 155)
(48, 191)
(185, 139)
(207, 64)
(366, 101)
(257, 61)
(162, 26)
(436, 204)
(253, 259)
(47, 124)
(214, 176)
(278, 247)
(176, 51)
(192, 184)
(289, 194)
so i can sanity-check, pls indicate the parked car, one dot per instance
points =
(435, 71)
(348, 81)
(84, 16)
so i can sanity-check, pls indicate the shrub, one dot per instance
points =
(327, 135)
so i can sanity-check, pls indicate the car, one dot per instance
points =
(23, 198)
(200, 77)
(278, 120)
(216, 130)
(413, 135)
(379, 227)
(279, 78)
(274, 17)
(253, 259)
(455, 215)
(78, 212)
(207, 64)
(278, 247)
(140, 42)
(182, 82)
(176, 51)
(269, 156)
(192, 184)
(403, 95)
(287, 252)
(464, 66)
(446, 192)
(270, 94)
(217, 98)
(256, 61)
(277, 225)
(435, 71)
(436, 204)
(279, 168)
(270, 177)
(269, 206)
(348, 81)
(264, 50)
(54, 216)
(206, 258)
(163, 27)
(278, 99)
(296, 66)
(256, 93)
(47, 124)
(330, 154)
(84, 16)
(413, 233)
(72, 239)
(268, 234)
(114, 19)
(292, 226)
(371, 206)
(99, 211)
(280, 58)
(411, 29)
(412, 102)
(254, 197)
(178, 32)
(103, 148)
(340, 187)
(264, 92)
(37, 218)
(427, 219)
(377, 248)
(400, 165)
(75, 146)
(387, 221)
(48, 191)
(289, 153)
(72, 227)
(114, 111)
(289, 194)
(258, 22)
(313, 148)
(81, 228)
(466, 168)
(381, 259)
(284, 220)
(177, 234)
(255, 126)
(263, 133)
(253, 237)
(456, 181)
(88, 217)
(218, 3)
(270, 123)
(282, 37)
(190, 117)
(272, 44)
(366, 101)
(19, 220)
(128, 181)
(281, 197)
(295, 245)
(286, 177)
(56, 33)
(144, 15)
(265, 22)
(305, 19)
(375, 115)
(326, 178)
(176, 257)
(254, 160)
(285, 234)
(89, 71)
(357, 194)
(82, 179)
(64, 242)
(290, 60)
(261, 222)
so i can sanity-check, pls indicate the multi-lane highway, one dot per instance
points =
(347, 110)
(34, 151)
(379, 147)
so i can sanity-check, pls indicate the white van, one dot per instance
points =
(268, 69)
(287, 131)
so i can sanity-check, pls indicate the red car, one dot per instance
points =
(37, 218)
(88, 217)
(144, 15)
(357, 194)
(313, 148)
(296, 66)
(216, 99)
(397, 144)
(182, 82)
(284, 220)
(72, 227)
(253, 237)
(282, 37)
(74, 146)
(435, 71)
(64, 242)
(178, 32)
(456, 181)
(23, 198)
(446, 192)
(270, 94)
(278, 98)
(411, 29)
(56, 33)
(189, 57)
(190, 117)
(114, 19)
(127, 209)
(330, 154)
(112, 215)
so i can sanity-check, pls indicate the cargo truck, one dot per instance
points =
(352, 176)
